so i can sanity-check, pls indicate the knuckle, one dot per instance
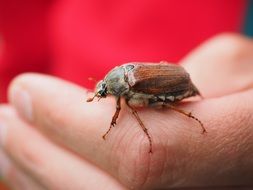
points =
(6, 164)
(233, 44)
(29, 153)
(142, 170)
(26, 152)
(133, 168)
(12, 174)
(229, 38)
(18, 145)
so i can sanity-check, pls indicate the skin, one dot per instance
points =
(52, 137)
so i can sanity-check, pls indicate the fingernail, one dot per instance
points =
(4, 164)
(22, 102)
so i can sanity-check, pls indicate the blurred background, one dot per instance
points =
(78, 39)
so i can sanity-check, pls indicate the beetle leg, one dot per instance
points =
(134, 112)
(114, 118)
(188, 114)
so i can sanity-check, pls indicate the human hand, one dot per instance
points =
(54, 142)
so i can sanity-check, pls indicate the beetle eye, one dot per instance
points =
(103, 92)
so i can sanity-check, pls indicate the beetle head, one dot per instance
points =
(101, 89)
(100, 92)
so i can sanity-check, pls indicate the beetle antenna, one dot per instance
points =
(91, 99)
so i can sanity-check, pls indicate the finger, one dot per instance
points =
(49, 165)
(12, 175)
(181, 153)
(222, 65)
(224, 157)
(63, 116)
(218, 188)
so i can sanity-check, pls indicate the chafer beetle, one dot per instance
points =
(147, 84)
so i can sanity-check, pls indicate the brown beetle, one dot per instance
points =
(147, 84)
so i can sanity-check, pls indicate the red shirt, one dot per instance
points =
(77, 39)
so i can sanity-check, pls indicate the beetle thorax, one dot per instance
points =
(115, 82)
